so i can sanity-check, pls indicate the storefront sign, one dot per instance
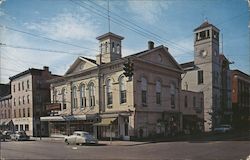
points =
(53, 106)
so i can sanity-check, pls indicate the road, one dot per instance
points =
(200, 150)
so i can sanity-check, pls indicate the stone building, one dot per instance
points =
(30, 92)
(204, 73)
(95, 95)
(240, 99)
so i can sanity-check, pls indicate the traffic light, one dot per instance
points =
(128, 69)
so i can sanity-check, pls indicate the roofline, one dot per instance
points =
(29, 71)
(109, 34)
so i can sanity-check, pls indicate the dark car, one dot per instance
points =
(19, 136)
(2, 137)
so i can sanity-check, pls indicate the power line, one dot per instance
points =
(39, 49)
(134, 24)
(119, 22)
(43, 37)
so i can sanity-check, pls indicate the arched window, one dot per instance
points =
(64, 98)
(144, 90)
(158, 92)
(106, 47)
(74, 97)
(118, 48)
(172, 95)
(123, 94)
(82, 96)
(91, 94)
(109, 92)
(113, 47)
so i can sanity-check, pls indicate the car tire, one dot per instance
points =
(66, 141)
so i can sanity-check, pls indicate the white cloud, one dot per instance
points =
(67, 26)
(149, 11)
(1, 1)
(14, 61)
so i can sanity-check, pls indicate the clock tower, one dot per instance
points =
(206, 60)
(206, 44)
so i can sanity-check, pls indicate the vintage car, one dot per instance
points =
(19, 136)
(80, 137)
(223, 128)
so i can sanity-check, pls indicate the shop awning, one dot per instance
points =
(68, 118)
(52, 118)
(105, 122)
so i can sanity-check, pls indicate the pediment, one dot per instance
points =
(160, 56)
(81, 64)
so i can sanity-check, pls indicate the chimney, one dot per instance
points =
(46, 68)
(150, 45)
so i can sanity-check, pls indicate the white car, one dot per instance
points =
(80, 137)
(223, 128)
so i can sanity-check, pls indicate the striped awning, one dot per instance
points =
(68, 118)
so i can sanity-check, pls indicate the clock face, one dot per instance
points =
(203, 53)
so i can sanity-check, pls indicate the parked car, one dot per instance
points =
(223, 128)
(2, 137)
(19, 136)
(81, 137)
(7, 134)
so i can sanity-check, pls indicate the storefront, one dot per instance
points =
(60, 126)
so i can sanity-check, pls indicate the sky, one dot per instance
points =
(37, 33)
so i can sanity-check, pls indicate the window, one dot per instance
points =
(63, 99)
(113, 47)
(158, 92)
(14, 113)
(144, 90)
(123, 92)
(194, 102)
(28, 99)
(118, 48)
(186, 101)
(24, 112)
(26, 127)
(172, 95)
(28, 84)
(106, 47)
(201, 105)
(9, 114)
(20, 113)
(19, 100)
(22, 85)
(91, 95)
(55, 96)
(82, 96)
(23, 100)
(74, 97)
(109, 92)
(16, 127)
(200, 77)
(18, 86)
(21, 127)
(14, 88)
(28, 112)
(172, 101)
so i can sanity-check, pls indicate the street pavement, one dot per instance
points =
(180, 150)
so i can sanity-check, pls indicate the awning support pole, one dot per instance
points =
(110, 128)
